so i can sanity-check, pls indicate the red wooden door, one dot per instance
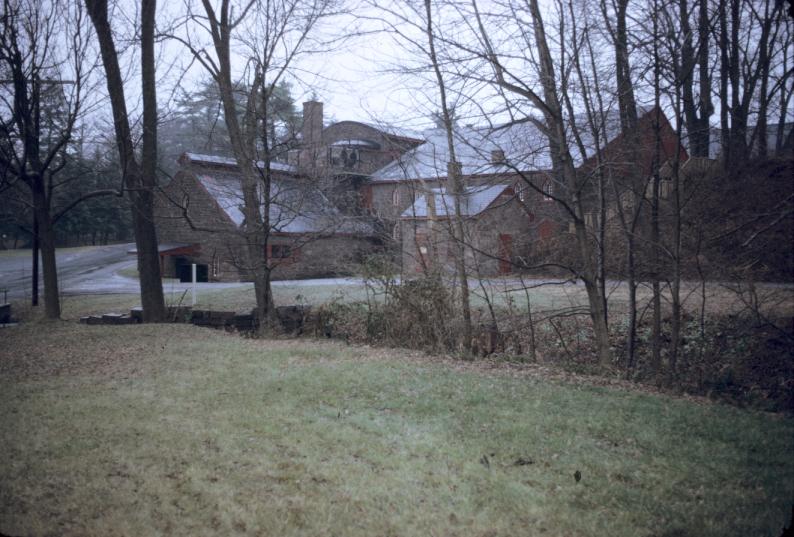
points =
(505, 253)
(546, 229)
(366, 198)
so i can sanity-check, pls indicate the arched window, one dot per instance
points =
(395, 196)
(548, 190)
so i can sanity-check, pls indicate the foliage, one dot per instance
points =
(196, 123)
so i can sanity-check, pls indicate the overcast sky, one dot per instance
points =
(356, 80)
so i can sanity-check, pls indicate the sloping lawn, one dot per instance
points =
(173, 429)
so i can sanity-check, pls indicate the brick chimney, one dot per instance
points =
(311, 132)
(497, 156)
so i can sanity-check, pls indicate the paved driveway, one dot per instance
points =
(95, 270)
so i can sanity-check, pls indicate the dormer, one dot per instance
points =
(352, 155)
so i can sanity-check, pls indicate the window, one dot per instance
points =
(522, 195)
(395, 196)
(548, 190)
(665, 188)
(343, 157)
(280, 251)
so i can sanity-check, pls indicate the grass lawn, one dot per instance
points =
(173, 429)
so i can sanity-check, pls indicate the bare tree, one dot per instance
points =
(454, 176)
(547, 99)
(43, 50)
(271, 34)
(139, 176)
(749, 39)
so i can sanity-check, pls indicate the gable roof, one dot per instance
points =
(474, 201)
(524, 145)
(229, 162)
(295, 206)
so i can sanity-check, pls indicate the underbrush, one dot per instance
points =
(737, 358)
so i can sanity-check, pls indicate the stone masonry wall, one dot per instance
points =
(222, 247)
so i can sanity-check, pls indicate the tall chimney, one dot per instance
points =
(311, 133)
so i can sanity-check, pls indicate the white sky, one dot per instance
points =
(356, 81)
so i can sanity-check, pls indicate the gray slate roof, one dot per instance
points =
(474, 201)
(295, 206)
(228, 161)
(525, 147)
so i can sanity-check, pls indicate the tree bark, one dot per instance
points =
(46, 242)
(562, 163)
(454, 176)
(242, 138)
(655, 236)
(138, 180)
(625, 86)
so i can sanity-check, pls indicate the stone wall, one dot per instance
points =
(510, 230)
(315, 257)
(222, 246)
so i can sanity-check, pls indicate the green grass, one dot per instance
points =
(173, 429)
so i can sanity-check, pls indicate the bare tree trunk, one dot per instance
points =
(34, 291)
(46, 243)
(563, 164)
(532, 348)
(700, 131)
(138, 182)
(628, 122)
(625, 86)
(242, 138)
(454, 175)
(686, 77)
(675, 322)
(724, 94)
(267, 308)
(656, 331)
(738, 130)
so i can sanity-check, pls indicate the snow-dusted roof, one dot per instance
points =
(475, 200)
(394, 130)
(525, 148)
(215, 160)
(295, 206)
(357, 143)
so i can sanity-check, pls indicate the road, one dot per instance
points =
(95, 270)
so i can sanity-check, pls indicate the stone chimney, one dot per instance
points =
(311, 132)
(497, 157)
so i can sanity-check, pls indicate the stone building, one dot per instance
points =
(199, 220)
(361, 187)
